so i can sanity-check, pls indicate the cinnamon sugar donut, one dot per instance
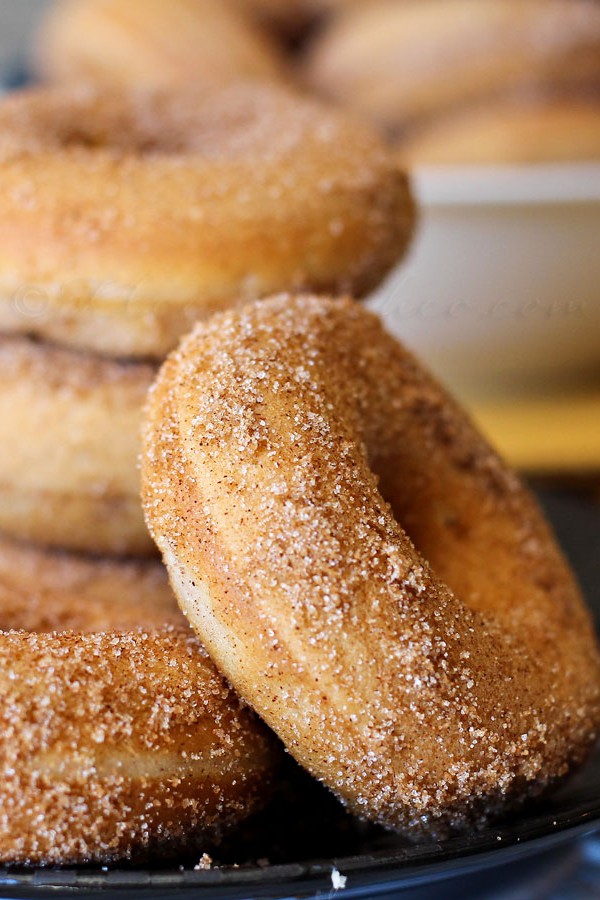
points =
(364, 569)
(118, 739)
(127, 218)
(69, 443)
(154, 43)
(403, 64)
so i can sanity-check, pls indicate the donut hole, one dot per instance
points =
(79, 137)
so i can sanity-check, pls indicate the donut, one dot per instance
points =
(119, 739)
(364, 569)
(403, 63)
(69, 443)
(509, 130)
(157, 43)
(127, 218)
(45, 590)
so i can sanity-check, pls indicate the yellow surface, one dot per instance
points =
(545, 435)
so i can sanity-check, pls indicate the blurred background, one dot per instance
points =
(18, 19)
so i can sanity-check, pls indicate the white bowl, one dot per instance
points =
(503, 283)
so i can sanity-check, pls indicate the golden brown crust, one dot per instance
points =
(181, 205)
(403, 63)
(69, 442)
(118, 740)
(157, 43)
(432, 691)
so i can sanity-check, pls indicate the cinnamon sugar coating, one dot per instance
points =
(69, 442)
(364, 569)
(50, 590)
(126, 218)
(119, 739)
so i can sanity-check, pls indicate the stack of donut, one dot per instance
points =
(373, 583)
(125, 219)
(448, 81)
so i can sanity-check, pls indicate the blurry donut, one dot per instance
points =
(154, 43)
(509, 130)
(401, 64)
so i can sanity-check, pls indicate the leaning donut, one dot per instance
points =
(127, 218)
(118, 739)
(364, 569)
(69, 442)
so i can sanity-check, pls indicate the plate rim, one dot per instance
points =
(410, 862)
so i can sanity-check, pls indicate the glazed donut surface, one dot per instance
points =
(290, 450)
(69, 443)
(118, 739)
(127, 218)
(154, 43)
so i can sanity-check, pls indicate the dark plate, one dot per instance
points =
(374, 862)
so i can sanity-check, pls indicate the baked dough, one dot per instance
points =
(154, 43)
(69, 444)
(364, 569)
(118, 739)
(127, 218)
